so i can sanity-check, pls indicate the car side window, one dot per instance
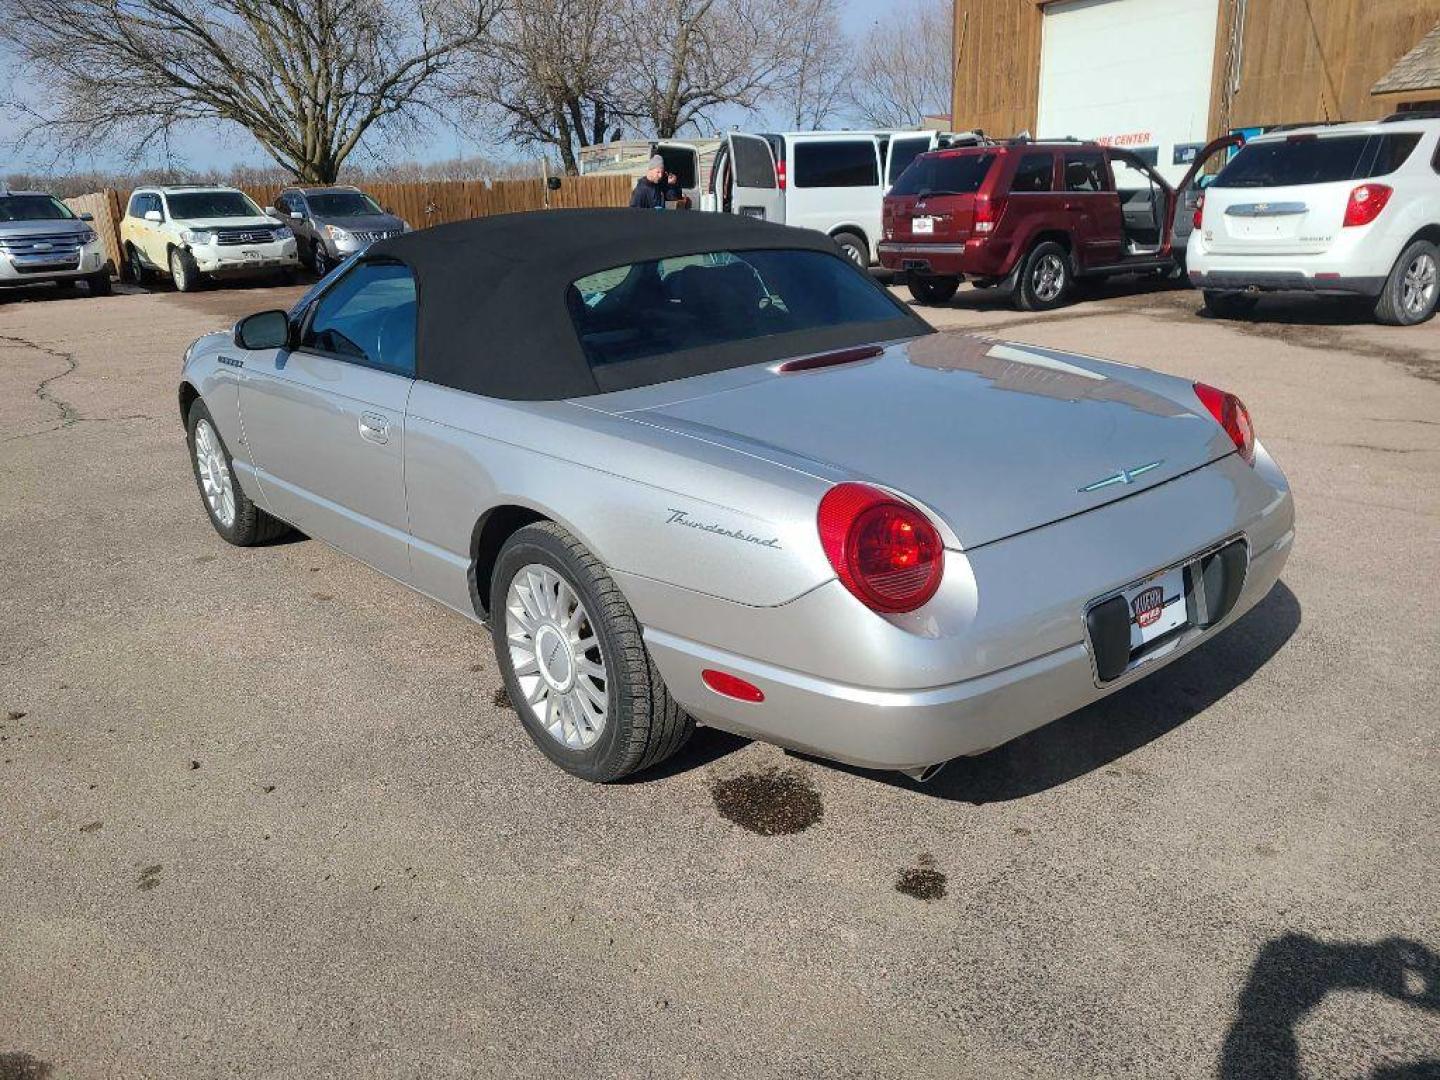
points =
(282, 203)
(836, 164)
(154, 202)
(1085, 171)
(1036, 172)
(137, 205)
(367, 317)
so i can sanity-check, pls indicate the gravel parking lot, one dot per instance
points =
(262, 813)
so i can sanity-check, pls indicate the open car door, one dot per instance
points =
(756, 191)
(1191, 190)
(904, 149)
(683, 160)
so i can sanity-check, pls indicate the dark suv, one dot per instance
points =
(1034, 216)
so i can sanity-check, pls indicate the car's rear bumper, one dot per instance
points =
(1285, 281)
(941, 260)
(887, 729)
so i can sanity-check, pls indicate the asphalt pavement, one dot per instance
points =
(262, 813)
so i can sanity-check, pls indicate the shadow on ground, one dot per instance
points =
(1103, 732)
(15, 1065)
(1293, 974)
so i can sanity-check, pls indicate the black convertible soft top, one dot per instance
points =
(492, 307)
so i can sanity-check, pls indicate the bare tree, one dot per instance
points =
(307, 78)
(547, 75)
(816, 88)
(902, 72)
(688, 58)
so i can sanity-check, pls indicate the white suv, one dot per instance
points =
(188, 232)
(1350, 209)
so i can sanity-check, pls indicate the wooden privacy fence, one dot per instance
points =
(420, 204)
(105, 207)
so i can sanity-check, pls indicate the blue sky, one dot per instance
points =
(224, 148)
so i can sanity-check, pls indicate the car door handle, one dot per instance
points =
(374, 427)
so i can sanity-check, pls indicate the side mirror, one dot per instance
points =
(154, 215)
(263, 330)
(87, 216)
(296, 215)
(553, 183)
(270, 211)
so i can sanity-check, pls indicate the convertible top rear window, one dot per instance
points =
(718, 298)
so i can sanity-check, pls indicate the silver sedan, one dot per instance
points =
(693, 468)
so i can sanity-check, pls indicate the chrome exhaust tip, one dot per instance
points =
(925, 773)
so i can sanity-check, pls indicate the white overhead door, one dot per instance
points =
(1134, 73)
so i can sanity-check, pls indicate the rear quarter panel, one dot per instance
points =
(648, 503)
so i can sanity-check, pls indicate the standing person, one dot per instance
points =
(655, 187)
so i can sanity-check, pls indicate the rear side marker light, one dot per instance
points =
(731, 686)
(1365, 204)
(1230, 413)
(884, 550)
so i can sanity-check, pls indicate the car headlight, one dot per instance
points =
(198, 237)
(284, 232)
(404, 226)
(337, 234)
(87, 236)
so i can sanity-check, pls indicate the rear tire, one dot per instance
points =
(1045, 278)
(238, 520)
(854, 248)
(1412, 290)
(583, 627)
(933, 290)
(1229, 305)
(183, 271)
(140, 274)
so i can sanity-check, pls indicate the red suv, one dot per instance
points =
(1035, 216)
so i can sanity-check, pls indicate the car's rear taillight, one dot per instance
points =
(1230, 412)
(988, 209)
(780, 174)
(885, 551)
(1199, 210)
(1365, 204)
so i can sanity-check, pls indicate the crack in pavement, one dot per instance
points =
(69, 414)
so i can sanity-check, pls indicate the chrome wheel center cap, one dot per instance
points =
(557, 665)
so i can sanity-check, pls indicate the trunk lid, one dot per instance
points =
(993, 438)
(1302, 219)
(943, 218)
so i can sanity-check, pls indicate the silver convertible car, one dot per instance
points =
(694, 468)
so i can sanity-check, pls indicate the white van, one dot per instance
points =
(831, 181)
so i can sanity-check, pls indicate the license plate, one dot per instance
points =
(922, 226)
(1157, 606)
(253, 256)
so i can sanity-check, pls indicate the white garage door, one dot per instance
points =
(1135, 73)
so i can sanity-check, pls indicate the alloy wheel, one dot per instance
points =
(1417, 287)
(177, 271)
(214, 472)
(556, 656)
(1047, 278)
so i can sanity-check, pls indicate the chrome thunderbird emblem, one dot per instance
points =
(1124, 476)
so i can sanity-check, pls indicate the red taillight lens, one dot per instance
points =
(1199, 210)
(884, 550)
(780, 174)
(1230, 412)
(732, 686)
(988, 209)
(1365, 204)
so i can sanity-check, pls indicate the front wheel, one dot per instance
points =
(933, 290)
(238, 520)
(99, 283)
(574, 662)
(320, 259)
(1045, 278)
(183, 271)
(1411, 291)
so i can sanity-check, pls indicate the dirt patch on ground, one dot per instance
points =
(771, 802)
